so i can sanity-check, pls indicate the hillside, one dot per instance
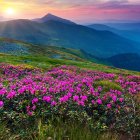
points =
(127, 61)
(20, 48)
(44, 96)
(101, 44)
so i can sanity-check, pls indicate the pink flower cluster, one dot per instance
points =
(66, 85)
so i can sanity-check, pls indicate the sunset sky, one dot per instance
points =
(82, 11)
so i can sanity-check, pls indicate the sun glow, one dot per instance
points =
(10, 11)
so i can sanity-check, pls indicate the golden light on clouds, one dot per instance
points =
(77, 10)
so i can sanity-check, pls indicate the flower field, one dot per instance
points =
(103, 101)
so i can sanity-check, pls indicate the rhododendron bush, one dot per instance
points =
(70, 93)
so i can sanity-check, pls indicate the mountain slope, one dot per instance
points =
(129, 61)
(16, 47)
(9, 46)
(101, 27)
(98, 43)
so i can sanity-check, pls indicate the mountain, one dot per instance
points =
(101, 27)
(129, 61)
(101, 44)
(130, 31)
(125, 26)
(51, 17)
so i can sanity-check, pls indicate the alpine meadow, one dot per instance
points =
(70, 70)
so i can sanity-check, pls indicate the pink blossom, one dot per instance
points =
(81, 103)
(35, 100)
(1, 104)
(47, 99)
(53, 103)
(114, 98)
(83, 98)
(30, 113)
(11, 95)
(99, 89)
(93, 102)
(99, 101)
(75, 98)
(34, 107)
(64, 99)
(121, 99)
(109, 106)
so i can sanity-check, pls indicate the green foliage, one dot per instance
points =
(130, 123)
(57, 130)
(107, 85)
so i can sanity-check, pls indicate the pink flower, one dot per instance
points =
(47, 99)
(34, 107)
(2, 91)
(30, 113)
(64, 99)
(99, 101)
(27, 108)
(1, 104)
(53, 103)
(109, 106)
(84, 98)
(81, 103)
(121, 99)
(99, 89)
(11, 95)
(93, 102)
(75, 98)
(35, 100)
(69, 95)
(114, 98)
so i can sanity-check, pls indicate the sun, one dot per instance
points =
(10, 11)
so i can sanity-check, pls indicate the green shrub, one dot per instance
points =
(107, 85)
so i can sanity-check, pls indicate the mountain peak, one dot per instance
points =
(51, 17)
(49, 14)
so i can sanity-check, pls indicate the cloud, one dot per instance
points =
(76, 9)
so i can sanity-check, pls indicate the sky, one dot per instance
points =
(80, 11)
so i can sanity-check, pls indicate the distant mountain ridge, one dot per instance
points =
(130, 31)
(125, 26)
(102, 44)
(101, 27)
(129, 61)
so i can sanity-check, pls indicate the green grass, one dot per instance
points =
(45, 63)
(107, 85)
(57, 131)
